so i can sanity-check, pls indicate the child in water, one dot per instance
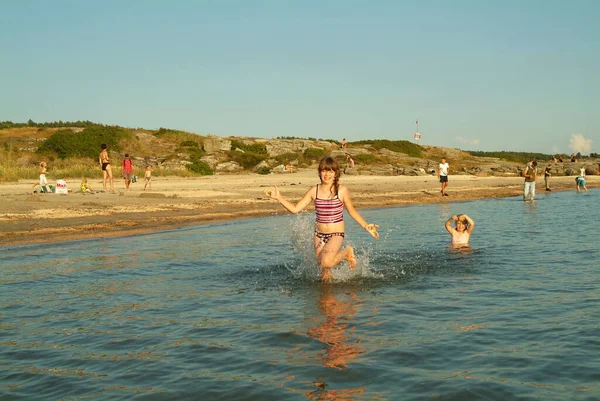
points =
(330, 198)
(464, 228)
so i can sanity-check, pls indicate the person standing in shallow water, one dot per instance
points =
(547, 175)
(580, 180)
(106, 169)
(530, 175)
(330, 199)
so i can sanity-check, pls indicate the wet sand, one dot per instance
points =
(27, 217)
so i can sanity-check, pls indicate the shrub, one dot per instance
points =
(405, 147)
(314, 153)
(519, 157)
(264, 170)
(246, 160)
(199, 167)
(256, 148)
(191, 144)
(67, 143)
(177, 135)
(364, 158)
(287, 157)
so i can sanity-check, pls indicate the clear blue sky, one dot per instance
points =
(481, 75)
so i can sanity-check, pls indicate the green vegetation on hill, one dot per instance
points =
(256, 148)
(66, 143)
(519, 157)
(405, 147)
(53, 124)
(177, 136)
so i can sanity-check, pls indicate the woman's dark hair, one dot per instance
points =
(329, 163)
(103, 146)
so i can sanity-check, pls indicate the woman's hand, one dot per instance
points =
(372, 229)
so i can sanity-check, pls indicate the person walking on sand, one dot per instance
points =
(462, 232)
(443, 170)
(106, 168)
(580, 180)
(547, 175)
(148, 178)
(530, 175)
(330, 198)
(43, 172)
(127, 170)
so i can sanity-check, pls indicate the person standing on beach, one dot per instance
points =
(148, 178)
(127, 170)
(580, 180)
(443, 170)
(43, 172)
(530, 175)
(330, 199)
(547, 175)
(106, 168)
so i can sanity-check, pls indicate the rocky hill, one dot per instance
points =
(177, 152)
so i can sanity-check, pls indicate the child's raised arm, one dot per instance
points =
(448, 224)
(471, 223)
(344, 195)
(274, 193)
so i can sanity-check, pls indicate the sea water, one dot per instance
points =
(235, 311)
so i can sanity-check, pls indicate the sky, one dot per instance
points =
(477, 75)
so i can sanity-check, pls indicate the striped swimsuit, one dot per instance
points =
(328, 211)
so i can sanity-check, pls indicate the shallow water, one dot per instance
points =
(235, 311)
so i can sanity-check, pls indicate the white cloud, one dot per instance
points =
(578, 143)
(467, 141)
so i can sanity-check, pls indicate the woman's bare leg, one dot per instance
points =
(110, 178)
(104, 177)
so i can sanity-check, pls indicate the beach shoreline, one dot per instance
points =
(34, 218)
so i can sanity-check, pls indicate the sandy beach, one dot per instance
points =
(27, 217)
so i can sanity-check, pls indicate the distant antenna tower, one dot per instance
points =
(417, 135)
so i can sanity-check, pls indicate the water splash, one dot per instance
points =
(302, 229)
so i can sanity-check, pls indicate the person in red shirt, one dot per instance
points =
(127, 170)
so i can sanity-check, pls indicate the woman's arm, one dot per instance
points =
(344, 196)
(274, 193)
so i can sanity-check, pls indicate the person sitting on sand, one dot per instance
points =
(330, 198)
(85, 187)
(464, 228)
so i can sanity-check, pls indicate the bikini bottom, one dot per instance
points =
(325, 237)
